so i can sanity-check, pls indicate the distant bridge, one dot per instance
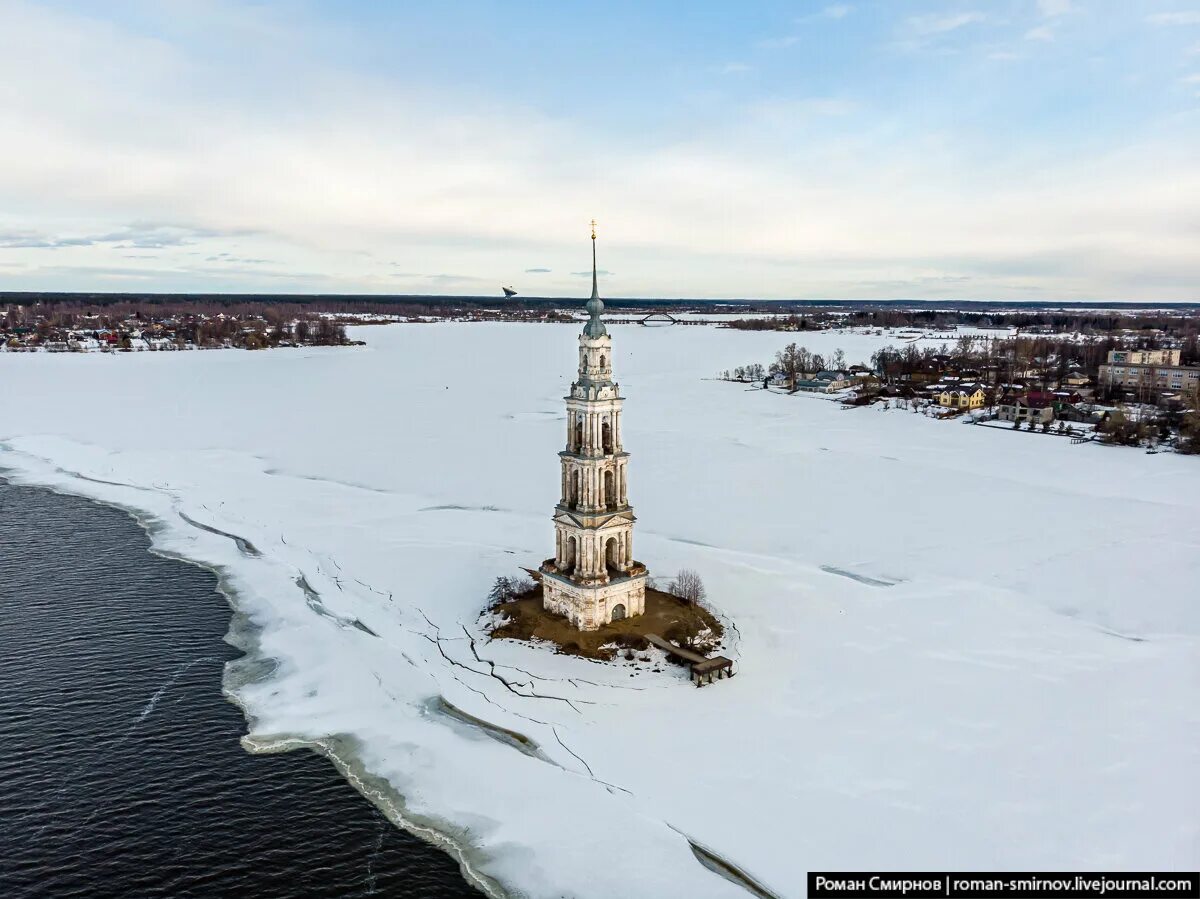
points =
(660, 318)
(655, 319)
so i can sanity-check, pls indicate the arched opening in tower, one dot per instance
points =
(606, 436)
(575, 489)
(612, 556)
(610, 490)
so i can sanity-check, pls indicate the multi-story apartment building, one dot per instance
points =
(1150, 370)
(1144, 357)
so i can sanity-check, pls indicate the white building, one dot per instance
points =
(593, 578)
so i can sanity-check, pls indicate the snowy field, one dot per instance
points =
(959, 647)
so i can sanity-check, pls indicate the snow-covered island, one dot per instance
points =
(963, 649)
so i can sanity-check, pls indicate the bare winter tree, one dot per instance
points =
(806, 360)
(687, 585)
(838, 362)
(790, 361)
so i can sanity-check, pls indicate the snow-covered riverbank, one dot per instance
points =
(956, 649)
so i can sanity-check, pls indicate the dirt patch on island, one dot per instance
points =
(680, 621)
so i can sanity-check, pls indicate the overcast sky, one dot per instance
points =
(1000, 149)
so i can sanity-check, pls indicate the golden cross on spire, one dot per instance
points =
(593, 229)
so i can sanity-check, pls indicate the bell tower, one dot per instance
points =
(593, 578)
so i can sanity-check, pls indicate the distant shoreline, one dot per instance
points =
(740, 304)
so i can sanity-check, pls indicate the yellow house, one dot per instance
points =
(970, 396)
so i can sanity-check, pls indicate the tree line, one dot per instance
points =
(793, 362)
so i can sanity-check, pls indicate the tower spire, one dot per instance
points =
(595, 284)
(594, 327)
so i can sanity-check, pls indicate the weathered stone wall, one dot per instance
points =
(589, 608)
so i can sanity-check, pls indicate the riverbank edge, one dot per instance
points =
(253, 667)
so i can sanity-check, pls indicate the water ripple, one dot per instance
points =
(122, 769)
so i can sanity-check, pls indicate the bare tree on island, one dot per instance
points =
(687, 585)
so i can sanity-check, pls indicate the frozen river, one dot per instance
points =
(958, 647)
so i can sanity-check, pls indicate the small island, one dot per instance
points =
(519, 613)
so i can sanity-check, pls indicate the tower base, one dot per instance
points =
(591, 606)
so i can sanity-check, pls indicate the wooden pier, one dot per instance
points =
(703, 668)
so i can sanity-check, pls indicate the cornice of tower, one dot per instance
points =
(593, 521)
(594, 392)
(599, 457)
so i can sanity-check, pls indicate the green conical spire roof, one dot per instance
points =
(595, 306)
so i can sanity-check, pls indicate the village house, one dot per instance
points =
(837, 380)
(825, 382)
(1033, 406)
(82, 342)
(810, 385)
(1065, 398)
(1081, 413)
(963, 396)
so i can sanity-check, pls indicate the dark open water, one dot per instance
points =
(120, 768)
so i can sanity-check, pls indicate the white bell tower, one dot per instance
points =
(593, 578)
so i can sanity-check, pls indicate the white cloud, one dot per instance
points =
(1040, 33)
(1184, 17)
(943, 23)
(792, 109)
(732, 68)
(833, 11)
(1191, 79)
(1051, 8)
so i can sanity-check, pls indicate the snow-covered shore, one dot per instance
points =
(957, 649)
